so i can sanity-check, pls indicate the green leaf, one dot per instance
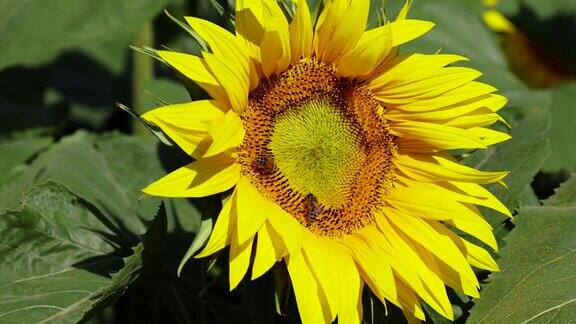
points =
(561, 134)
(15, 152)
(107, 171)
(565, 196)
(33, 32)
(210, 210)
(528, 198)
(537, 282)
(523, 156)
(58, 252)
(144, 254)
(544, 9)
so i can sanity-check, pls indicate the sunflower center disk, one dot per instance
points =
(316, 145)
(317, 151)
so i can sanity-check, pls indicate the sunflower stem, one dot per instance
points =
(142, 73)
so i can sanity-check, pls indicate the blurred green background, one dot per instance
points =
(72, 163)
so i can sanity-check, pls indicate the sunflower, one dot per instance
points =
(335, 152)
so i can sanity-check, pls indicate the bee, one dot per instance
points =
(264, 163)
(312, 207)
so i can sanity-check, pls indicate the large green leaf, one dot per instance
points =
(565, 195)
(33, 32)
(107, 171)
(15, 152)
(561, 134)
(537, 282)
(58, 252)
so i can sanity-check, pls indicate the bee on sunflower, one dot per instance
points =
(336, 151)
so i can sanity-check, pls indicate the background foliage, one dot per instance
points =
(78, 242)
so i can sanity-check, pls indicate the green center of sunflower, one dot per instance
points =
(317, 151)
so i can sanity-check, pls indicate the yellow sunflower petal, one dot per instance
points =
(223, 229)
(461, 192)
(320, 259)
(190, 115)
(427, 167)
(429, 205)
(263, 26)
(406, 30)
(428, 237)
(265, 255)
(342, 285)
(195, 143)
(195, 69)
(200, 178)
(403, 14)
(350, 294)
(483, 104)
(479, 118)
(280, 250)
(459, 96)
(489, 136)
(408, 146)
(301, 32)
(404, 66)
(371, 49)
(270, 49)
(409, 303)
(339, 28)
(449, 197)
(235, 84)
(248, 30)
(226, 133)
(306, 290)
(239, 260)
(412, 270)
(351, 313)
(447, 274)
(442, 136)
(426, 84)
(251, 219)
(476, 190)
(475, 255)
(498, 102)
(286, 229)
(482, 232)
(185, 123)
(222, 43)
(376, 269)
